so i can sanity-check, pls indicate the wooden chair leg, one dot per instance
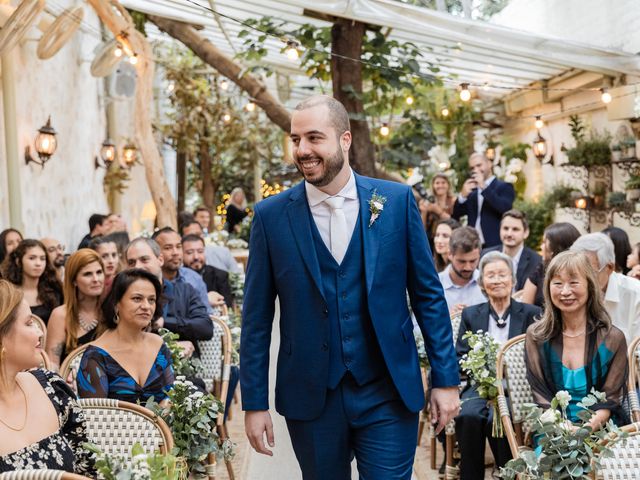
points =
(451, 471)
(224, 434)
(433, 447)
(421, 425)
(211, 467)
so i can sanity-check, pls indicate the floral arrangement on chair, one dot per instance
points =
(480, 365)
(186, 366)
(191, 415)
(141, 466)
(568, 450)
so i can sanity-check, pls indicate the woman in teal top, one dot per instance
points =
(574, 347)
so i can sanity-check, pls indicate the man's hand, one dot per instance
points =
(187, 348)
(215, 299)
(256, 424)
(445, 404)
(467, 186)
(457, 308)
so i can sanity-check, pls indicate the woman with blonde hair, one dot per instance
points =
(41, 425)
(236, 209)
(438, 205)
(74, 323)
(574, 347)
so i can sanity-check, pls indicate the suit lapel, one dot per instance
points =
(483, 318)
(370, 235)
(522, 265)
(516, 320)
(300, 221)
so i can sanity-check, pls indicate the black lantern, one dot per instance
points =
(107, 154)
(129, 155)
(540, 147)
(45, 144)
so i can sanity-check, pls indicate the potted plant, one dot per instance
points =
(616, 152)
(591, 151)
(628, 145)
(632, 187)
(617, 200)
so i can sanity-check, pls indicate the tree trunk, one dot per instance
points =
(209, 54)
(181, 161)
(208, 189)
(346, 42)
(120, 24)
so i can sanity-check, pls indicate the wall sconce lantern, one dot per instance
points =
(129, 155)
(540, 147)
(107, 154)
(583, 202)
(45, 144)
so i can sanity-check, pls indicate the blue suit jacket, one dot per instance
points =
(498, 197)
(283, 263)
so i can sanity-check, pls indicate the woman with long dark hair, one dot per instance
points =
(444, 229)
(556, 238)
(9, 240)
(28, 268)
(621, 246)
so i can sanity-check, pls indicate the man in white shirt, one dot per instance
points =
(621, 293)
(460, 278)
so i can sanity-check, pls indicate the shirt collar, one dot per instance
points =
(489, 180)
(448, 283)
(613, 292)
(315, 196)
(517, 256)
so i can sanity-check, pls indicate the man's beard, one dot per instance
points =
(332, 166)
(58, 262)
(197, 266)
(463, 275)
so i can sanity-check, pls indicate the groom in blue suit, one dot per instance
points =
(340, 251)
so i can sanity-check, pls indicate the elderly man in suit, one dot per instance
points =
(340, 251)
(514, 230)
(483, 199)
(503, 318)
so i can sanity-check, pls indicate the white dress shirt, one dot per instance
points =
(500, 335)
(322, 213)
(622, 301)
(468, 294)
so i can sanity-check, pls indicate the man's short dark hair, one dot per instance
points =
(192, 238)
(95, 220)
(188, 224)
(464, 240)
(518, 215)
(201, 208)
(338, 115)
(162, 230)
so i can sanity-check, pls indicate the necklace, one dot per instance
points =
(574, 336)
(26, 412)
(87, 326)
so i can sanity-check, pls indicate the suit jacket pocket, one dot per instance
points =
(407, 329)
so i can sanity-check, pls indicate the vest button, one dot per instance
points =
(344, 295)
(326, 312)
(347, 339)
(325, 346)
(341, 274)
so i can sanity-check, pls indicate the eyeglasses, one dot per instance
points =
(59, 248)
(501, 277)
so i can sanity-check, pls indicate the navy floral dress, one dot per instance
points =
(62, 450)
(101, 376)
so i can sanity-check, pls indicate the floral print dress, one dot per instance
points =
(63, 449)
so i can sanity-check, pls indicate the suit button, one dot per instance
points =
(347, 339)
(344, 295)
(326, 312)
(341, 274)
(325, 346)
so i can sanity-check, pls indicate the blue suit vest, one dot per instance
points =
(353, 345)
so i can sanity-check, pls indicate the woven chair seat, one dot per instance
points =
(211, 356)
(625, 462)
(40, 475)
(634, 378)
(115, 427)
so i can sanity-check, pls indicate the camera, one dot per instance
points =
(419, 187)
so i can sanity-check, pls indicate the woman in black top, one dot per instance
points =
(28, 268)
(236, 209)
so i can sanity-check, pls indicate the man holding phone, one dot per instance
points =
(483, 199)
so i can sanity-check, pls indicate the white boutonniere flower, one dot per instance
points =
(376, 206)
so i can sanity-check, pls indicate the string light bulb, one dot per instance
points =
(465, 94)
(384, 130)
(444, 112)
(171, 86)
(606, 96)
(539, 123)
(226, 118)
(133, 60)
(250, 107)
(409, 100)
(292, 50)
(117, 52)
(224, 85)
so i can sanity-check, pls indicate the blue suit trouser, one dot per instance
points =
(367, 421)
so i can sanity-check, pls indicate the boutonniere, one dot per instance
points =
(376, 205)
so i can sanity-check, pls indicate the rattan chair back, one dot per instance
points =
(71, 365)
(41, 475)
(43, 328)
(115, 427)
(634, 380)
(45, 362)
(456, 319)
(511, 369)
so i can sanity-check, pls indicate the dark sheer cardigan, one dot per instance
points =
(609, 377)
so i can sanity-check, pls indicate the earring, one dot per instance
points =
(116, 320)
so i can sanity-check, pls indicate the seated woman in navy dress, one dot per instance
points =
(574, 347)
(127, 362)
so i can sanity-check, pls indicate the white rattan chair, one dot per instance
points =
(42, 326)
(41, 475)
(634, 371)
(625, 462)
(46, 363)
(215, 355)
(115, 426)
(71, 365)
(511, 368)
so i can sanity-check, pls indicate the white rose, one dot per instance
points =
(563, 397)
(510, 178)
(477, 347)
(549, 416)
(378, 205)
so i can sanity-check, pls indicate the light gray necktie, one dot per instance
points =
(338, 230)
